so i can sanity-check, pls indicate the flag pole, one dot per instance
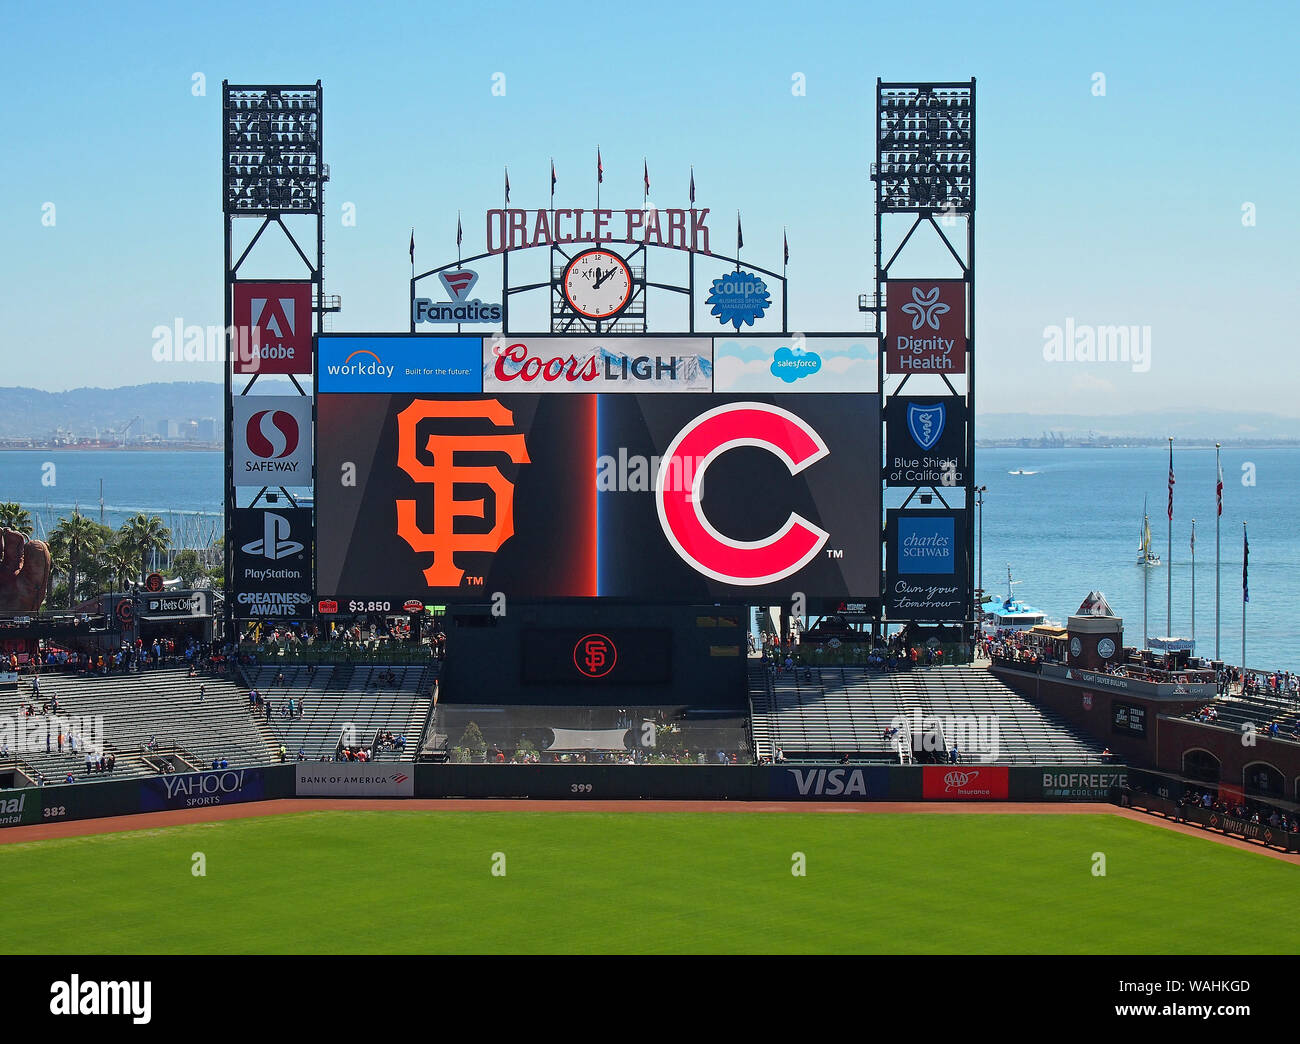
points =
(1169, 550)
(1245, 597)
(1193, 585)
(1218, 514)
(1146, 578)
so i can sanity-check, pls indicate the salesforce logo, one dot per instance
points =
(792, 363)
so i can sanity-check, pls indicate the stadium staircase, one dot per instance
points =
(161, 705)
(821, 713)
(355, 702)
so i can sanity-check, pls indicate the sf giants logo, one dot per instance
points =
(706, 438)
(443, 473)
(594, 655)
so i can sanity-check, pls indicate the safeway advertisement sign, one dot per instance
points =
(925, 326)
(961, 783)
(272, 440)
(272, 327)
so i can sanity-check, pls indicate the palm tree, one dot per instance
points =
(15, 516)
(145, 534)
(78, 537)
(119, 558)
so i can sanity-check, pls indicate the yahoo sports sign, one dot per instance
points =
(200, 789)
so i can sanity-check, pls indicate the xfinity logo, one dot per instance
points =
(75, 997)
(275, 543)
(829, 782)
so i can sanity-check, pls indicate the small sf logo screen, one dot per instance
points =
(434, 462)
(594, 655)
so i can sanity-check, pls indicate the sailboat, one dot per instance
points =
(1146, 557)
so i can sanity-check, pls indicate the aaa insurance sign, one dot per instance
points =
(272, 440)
(272, 327)
(925, 326)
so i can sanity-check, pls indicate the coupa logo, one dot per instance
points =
(682, 518)
(433, 461)
(792, 363)
(272, 434)
(594, 655)
(925, 423)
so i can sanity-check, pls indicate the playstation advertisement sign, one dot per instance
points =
(925, 440)
(272, 563)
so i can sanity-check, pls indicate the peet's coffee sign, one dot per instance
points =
(676, 229)
(186, 603)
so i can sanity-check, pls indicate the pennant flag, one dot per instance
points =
(785, 245)
(507, 186)
(740, 236)
(412, 246)
(1171, 480)
(460, 235)
(552, 177)
(1218, 489)
(1193, 536)
(692, 186)
(645, 166)
(1245, 566)
(600, 169)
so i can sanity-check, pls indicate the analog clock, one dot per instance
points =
(597, 283)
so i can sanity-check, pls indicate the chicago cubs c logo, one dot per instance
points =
(444, 473)
(594, 655)
(701, 546)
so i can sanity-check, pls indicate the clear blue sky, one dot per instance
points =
(1122, 209)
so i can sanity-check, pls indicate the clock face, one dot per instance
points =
(1106, 648)
(597, 284)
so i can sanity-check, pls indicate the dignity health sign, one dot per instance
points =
(925, 326)
(925, 576)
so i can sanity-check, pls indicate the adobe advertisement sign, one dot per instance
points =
(965, 783)
(566, 656)
(925, 440)
(272, 327)
(925, 326)
(272, 563)
(272, 440)
(591, 364)
(926, 576)
(661, 497)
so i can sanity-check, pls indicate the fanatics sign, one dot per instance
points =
(925, 326)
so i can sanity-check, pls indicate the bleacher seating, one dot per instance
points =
(815, 713)
(160, 704)
(358, 698)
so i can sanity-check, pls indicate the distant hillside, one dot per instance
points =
(1222, 425)
(28, 412)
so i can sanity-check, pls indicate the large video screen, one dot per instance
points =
(665, 497)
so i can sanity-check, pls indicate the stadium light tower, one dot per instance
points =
(271, 167)
(925, 182)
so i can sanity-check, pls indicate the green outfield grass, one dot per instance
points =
(383, 882)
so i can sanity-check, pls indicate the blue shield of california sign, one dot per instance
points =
(925, 423)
